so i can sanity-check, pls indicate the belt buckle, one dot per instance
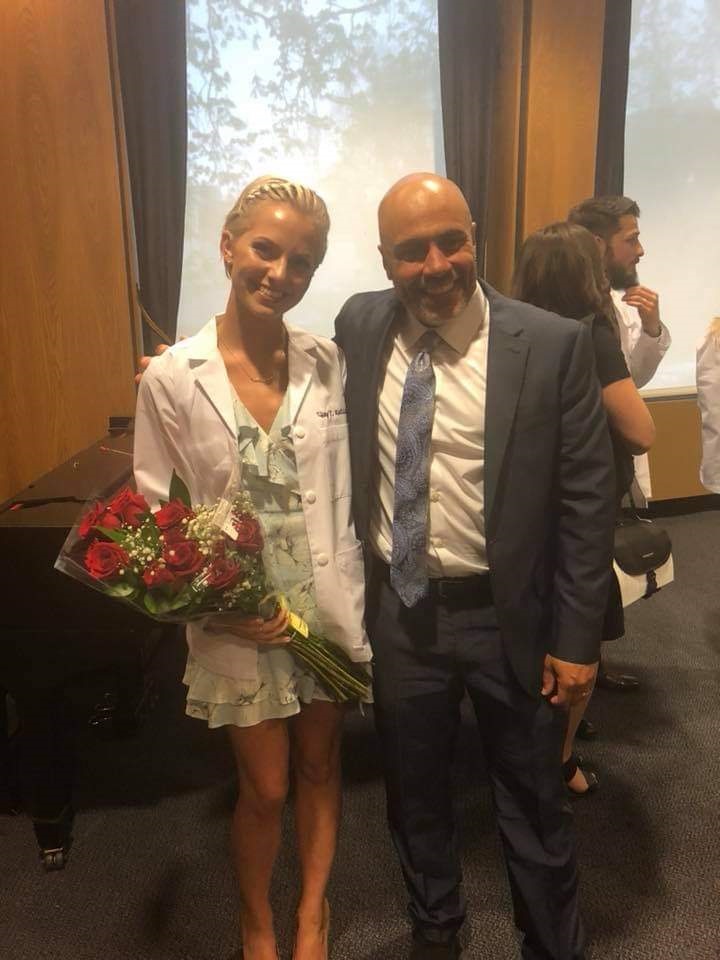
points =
(443, 589)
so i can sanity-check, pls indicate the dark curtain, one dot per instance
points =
(610, 154)
(468, 42)
(151, 60)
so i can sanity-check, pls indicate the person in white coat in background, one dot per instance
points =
(708, 393)
(250, 388)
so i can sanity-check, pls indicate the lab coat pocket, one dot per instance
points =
(337, 454)
(350, 562)
(351, 574)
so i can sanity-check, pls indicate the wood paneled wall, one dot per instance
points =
(677, 452)
(65, 303)
(563, 71)
(546, 118)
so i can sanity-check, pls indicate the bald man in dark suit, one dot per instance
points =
(499, 591)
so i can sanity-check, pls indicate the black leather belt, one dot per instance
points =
(472, 591)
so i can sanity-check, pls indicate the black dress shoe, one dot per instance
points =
(617, 681)
(586, 730)
(426, 950)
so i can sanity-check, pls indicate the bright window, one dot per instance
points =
(343, 96)
(671, 168)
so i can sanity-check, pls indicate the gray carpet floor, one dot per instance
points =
(149, 875)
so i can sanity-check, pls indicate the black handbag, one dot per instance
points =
(641, 548)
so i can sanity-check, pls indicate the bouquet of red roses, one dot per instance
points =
(183, 562)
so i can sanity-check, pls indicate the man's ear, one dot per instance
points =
(602, 244)
(386, 268)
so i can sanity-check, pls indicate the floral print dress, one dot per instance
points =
(269, 473)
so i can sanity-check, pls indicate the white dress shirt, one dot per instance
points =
(643, 354)
(456, 534)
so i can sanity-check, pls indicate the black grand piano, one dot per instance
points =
(55, 633)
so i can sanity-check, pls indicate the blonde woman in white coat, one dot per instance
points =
(708, 392)
(250, 387)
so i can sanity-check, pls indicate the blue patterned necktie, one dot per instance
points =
(408, 564)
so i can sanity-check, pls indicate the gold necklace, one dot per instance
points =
(266, 380)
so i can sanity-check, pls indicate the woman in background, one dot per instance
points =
(708, 393)
(250, 388)
(560, 269)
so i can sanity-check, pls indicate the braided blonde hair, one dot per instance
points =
(714, 332)
(279, 190)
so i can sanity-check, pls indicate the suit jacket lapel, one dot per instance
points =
(507, 358)
(375, 330)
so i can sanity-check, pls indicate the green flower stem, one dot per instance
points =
(329, 659)
(326, 663)
(341, 690)
(331, 652)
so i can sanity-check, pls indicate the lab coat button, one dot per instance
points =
(310, 496)
(299, 432)
(322, 559)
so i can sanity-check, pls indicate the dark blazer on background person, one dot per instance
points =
(548, 471)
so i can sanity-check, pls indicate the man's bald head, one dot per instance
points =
(427, 242)
(418, 194)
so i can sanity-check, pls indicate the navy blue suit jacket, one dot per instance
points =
(548, 477)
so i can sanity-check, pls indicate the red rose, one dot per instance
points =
(109, 521)
(173, 535)
(249, 535)
(91, 519)
(105, 560)
(158, 575)
(129, 507)
(183, 557)
(172, 514)
(222, 573)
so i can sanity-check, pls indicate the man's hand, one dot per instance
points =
(144, 361)
(647, 304)
(569, 683)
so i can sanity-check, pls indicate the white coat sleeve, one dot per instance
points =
(708, 395)
(646, 354)
(158, 441)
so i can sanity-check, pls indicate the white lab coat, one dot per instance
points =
(185, 422)
(708, 394)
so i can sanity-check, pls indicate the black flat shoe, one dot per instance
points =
(617, 681)
(586, 730)
(570, 768)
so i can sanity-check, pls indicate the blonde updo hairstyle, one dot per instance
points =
(714, 332)
(279, 190)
